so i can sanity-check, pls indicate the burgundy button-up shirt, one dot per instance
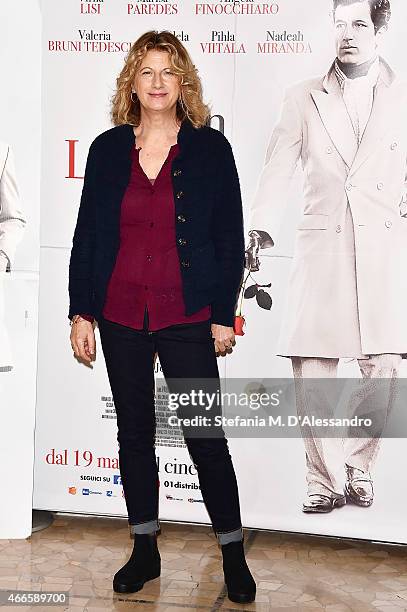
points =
(147, 270)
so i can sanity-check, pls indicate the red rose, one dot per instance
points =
(238, 326)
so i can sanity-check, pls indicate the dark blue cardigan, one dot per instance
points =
(208, 215)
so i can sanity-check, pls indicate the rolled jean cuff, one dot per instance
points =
(143, 528)
(225, 537)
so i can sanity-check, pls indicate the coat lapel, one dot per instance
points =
(335, 117)
(380, 118)
(121, 154)
(185, 135)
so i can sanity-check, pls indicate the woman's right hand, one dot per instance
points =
(83, 339)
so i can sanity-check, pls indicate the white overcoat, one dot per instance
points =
(347, 293)
(12, 223)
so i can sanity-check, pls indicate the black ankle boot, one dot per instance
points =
(239, 581)
(144, 564)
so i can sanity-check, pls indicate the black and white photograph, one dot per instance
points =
(348, 288)
(12, 225)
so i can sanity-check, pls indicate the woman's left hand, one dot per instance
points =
(224, 338)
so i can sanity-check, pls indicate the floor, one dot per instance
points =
(293, 572)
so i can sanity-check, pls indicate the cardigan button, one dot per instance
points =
(182, 241)
(180, 194)
(177, 172)
(185, 264)
(181, 219)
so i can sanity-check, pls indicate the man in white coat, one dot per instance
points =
(347, 294)
(12, 223)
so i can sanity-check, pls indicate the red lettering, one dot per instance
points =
(71, 160)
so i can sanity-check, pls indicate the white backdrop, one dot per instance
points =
(246, 87)
(20, 128)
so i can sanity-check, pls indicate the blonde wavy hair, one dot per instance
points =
(189, 104)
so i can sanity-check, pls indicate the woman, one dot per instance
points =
(157, 258)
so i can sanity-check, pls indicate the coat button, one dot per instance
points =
(388, 224)
(177, 172)
(182, 241)
(338, 229)
(180, 194)
(181, 218)
(393, 146)
(185, 264)
(380, 186)
(329, 150)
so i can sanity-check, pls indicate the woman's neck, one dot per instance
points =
(157, 129)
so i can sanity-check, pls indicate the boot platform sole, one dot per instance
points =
(133, 587)
(242, 597)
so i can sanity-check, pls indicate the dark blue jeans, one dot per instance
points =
(185, 351)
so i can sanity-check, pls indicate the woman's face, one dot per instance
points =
(156, 85)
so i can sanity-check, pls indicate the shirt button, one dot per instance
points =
(329, 150)
(182, 241)
(338, 229)
(380, 186)
(180, 194)
(393, 146)
(388, 223)
(181, 219)
(348, 187)
(185, 264)
(177, 172)
(149, 258)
